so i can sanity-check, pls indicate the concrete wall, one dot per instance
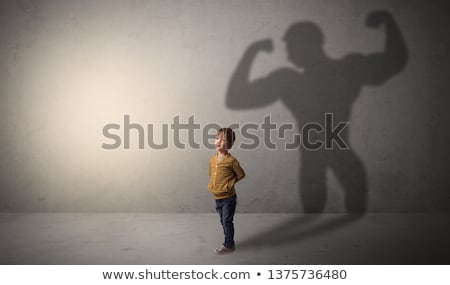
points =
(68, 68)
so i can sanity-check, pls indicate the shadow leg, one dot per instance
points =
(351, 173)
(313, 181)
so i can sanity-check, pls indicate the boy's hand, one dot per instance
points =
(377, 18)
(265, 45)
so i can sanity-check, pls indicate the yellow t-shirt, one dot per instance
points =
(223, 175)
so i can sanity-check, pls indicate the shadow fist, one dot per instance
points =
(265, 45)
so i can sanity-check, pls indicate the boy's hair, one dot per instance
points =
(228, 135)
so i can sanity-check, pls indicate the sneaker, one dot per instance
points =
(223, 249)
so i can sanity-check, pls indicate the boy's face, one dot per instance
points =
(221, 142)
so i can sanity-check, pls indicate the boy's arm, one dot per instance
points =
(238, 171)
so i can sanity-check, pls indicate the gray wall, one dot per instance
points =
(68, 68)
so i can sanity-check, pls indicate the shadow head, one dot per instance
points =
(304, 44)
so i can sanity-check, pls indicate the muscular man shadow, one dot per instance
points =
(315, 86)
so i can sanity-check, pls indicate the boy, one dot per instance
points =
(224, 172)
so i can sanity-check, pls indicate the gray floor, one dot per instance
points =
(190, 239)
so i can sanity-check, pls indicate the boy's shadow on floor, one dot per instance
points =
(298, 228)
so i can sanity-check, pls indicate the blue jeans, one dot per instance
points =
(226, 208)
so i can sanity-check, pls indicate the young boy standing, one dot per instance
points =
(224, 172)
